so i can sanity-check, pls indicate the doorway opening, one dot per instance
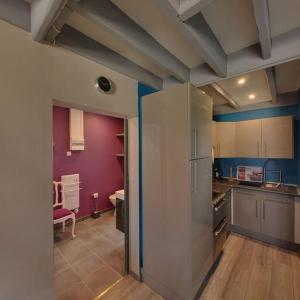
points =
(90, 183)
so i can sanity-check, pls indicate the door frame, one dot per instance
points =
(126, 173)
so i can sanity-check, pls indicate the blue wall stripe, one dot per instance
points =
(290, 167)
(143, 90)
(290, 110)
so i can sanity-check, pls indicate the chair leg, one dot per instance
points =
(73, 227)
(64, 226)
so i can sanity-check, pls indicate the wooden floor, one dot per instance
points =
(254, 270)
(248, 270)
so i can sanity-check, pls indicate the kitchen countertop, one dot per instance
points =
(223, 185)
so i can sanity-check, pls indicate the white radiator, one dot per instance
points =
(70, 188)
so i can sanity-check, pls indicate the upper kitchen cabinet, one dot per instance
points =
(200, 119)
(248, 138)
(224, 139)
(278, 137)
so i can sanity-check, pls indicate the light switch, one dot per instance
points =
(69, 153)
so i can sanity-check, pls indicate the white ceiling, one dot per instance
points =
(256, 83)
(101, 35)
(234, 26)
(288, 77)
(151, 18)
(233, 23)
(284, 15)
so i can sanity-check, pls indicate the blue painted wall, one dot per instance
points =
(143, 90)
(289, 167)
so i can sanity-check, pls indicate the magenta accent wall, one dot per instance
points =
(99, 168)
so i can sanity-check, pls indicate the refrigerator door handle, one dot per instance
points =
(194, 175)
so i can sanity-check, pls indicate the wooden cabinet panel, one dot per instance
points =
(201, 119)
(246, 210)
(214, 138)
(248, 138)
(278, 137)
(224, 139)
(278, 219)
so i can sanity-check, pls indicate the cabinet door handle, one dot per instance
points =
(256, 208)
(220, 229)
(195, 146)
(220, 205)
(265, 146)
(192, 176)
(263, 210)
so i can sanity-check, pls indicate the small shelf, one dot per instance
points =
(120, 155)
(120, 135)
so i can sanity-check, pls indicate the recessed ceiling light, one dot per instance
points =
(241, 81)
(252, 96)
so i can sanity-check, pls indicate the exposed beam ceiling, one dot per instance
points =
(60, 20)
(285, 47)
(43, 15)
(16, 12)
(108, 15)
(200, 36)
(272, 85)
(228, 98)
(188, 9)
(84, 46)
(261, 12)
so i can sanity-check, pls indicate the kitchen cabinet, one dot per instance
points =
(224, 139)
(201, 120)
(248, 138)
(277, 218)
(177, 190)
(246, 210)
(277, 137)
(267, 213)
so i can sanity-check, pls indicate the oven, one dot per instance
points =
(220, 221)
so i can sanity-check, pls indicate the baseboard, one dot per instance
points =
(135, 276)
(89, 216)
(265, 239)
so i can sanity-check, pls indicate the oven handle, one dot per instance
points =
(221, 228)
(219, 206)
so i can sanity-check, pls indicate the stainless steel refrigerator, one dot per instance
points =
(177, 190)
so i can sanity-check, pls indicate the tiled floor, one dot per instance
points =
(89, 264)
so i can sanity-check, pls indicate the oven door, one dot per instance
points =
(220, 212)
(220, 234)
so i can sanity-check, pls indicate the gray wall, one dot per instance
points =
(31, 76)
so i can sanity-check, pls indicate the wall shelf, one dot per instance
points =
(120, 135)
(120, 155)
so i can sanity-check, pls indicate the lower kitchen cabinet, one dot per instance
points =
(278, 219)
(246, 210)
(266, 213)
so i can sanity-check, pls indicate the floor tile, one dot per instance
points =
(64, 281)
(79, 292)
(101, 279)
(87, 266)
(74, 251)
(60, 264)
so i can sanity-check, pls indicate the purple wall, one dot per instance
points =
(99, 168)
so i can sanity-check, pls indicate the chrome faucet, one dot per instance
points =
(274, 171)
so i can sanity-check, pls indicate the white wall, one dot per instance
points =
(31, 76)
